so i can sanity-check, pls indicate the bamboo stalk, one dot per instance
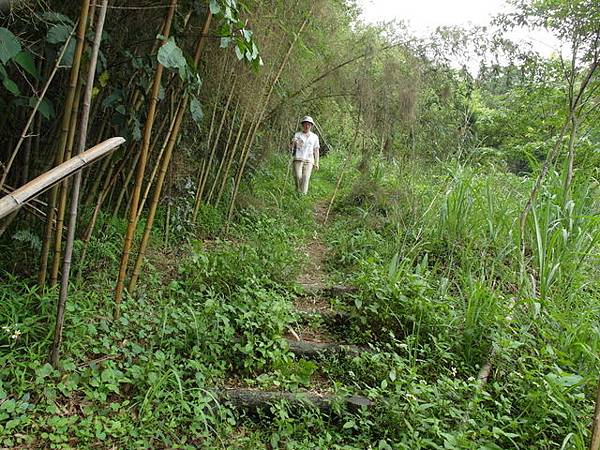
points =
(85, 115)
(164, 166)
(128, 177)
(141, 169)
(230, 159)
(223, 157)
(64, 192)
(217, 137)
(157, 165)
(203, 168)
(156, 196)
(68, 108)
(87, 235)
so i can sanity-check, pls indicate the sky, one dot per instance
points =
(423, 16)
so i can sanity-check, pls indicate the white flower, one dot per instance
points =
(16, 334)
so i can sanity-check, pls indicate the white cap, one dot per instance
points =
(307, 119)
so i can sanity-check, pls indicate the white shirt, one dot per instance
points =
(306, 144)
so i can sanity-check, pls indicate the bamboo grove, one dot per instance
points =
(145, 85)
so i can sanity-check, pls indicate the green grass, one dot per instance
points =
(442, 288)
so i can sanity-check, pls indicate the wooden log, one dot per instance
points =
(29, 191)
(315, 350)
(257, 400)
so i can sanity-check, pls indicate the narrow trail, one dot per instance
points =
(316, 334)
(313, 278)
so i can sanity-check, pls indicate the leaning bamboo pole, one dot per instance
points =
(62, 141)
(85, 115)
(141, 170)
(27, 193)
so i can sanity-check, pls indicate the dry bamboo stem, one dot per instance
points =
(140, 172)
(62, 142)
(25, 194)
(216, 140)
(230, 159)
(85, 115)
(223, 157)
(64, 192)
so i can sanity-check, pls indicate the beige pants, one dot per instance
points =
(302, 171)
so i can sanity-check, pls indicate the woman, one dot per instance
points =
(305, 146)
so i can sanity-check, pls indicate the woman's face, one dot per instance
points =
(306, 126)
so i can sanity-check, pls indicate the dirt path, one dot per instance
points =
(314, 277)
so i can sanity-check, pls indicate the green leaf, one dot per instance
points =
(11, 86)
(350, 424)
(171, 56)
(55, 17)
(59, 33)
(67, 60)
(392, 375)
(43, 371)
(25, 60)
(196, 111)
(239, 52)
(214, 7)
(46, 109)
(9, 45)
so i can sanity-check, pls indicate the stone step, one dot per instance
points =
(316, 350)
(254, 399)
